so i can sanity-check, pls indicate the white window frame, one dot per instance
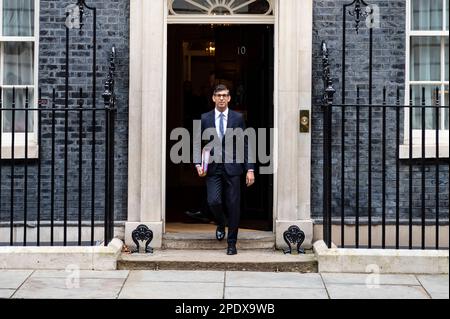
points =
(430, 135)
(19, 138)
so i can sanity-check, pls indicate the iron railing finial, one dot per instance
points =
(329, 90)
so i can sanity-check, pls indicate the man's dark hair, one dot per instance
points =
(221, 87)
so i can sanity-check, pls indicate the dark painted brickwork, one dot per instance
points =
(113, 29)
(388, 70)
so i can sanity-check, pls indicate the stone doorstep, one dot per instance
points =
(207, 240)
(59, 258)
(384, 261)
(246, 260)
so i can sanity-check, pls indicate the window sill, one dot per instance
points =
(19, 151)
(430, 151)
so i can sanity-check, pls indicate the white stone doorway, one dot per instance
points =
(199, 58)
(292, 20)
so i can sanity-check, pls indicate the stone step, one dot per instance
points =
(246, 260)
(207, 240)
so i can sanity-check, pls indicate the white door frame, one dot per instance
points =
(147, 112)
(205, 19)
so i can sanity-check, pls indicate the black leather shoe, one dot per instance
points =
(231, 250)
(220, 233)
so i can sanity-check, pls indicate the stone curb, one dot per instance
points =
(386, 261)
(83, 258)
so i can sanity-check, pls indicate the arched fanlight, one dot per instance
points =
(220, 7)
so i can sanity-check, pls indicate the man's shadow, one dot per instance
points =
(204, 214)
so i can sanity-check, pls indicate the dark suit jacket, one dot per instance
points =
(232, 167)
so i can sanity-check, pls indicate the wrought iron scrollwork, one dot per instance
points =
(358, 13)
(294, 237)
(142, 234)
(75, 14)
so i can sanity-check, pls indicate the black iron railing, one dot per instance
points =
(45, 181)
(57, 168)
(360, 174)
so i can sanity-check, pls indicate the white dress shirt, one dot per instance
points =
(225, 121)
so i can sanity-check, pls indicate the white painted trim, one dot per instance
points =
(428, 82)
(444, 15)
(236, 19)
(164, 122)
(36, 67)
(1, 22)
(294, 89)
(442, 86)
(417, 134)
(19, 150)
(20, 137)
(227, 4)
(276, 13)
(407, 62)
(142, 185)
(16, 39)
(135, 111)
(1, 63)
(416, 33)
(430, 151)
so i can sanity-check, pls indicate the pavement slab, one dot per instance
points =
(273, 280)
(274, 293)
(6, 293)
(12, 279)
(68, 288)
(176, 276)
(171, 290)
(86, 274)
(339, 291)
(362, 279)
(199, 284)
(436, 286)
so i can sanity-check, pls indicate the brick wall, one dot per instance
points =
(112, 29)
(388, 70)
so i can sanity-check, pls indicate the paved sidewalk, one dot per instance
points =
(142, 284)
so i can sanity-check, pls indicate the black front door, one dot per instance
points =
(200, 57)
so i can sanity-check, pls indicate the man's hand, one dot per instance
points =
(200, 171)
(250, 180)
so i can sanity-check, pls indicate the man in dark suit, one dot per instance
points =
(224, 173)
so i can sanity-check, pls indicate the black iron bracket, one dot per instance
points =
(294, 237)
(142, 234)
